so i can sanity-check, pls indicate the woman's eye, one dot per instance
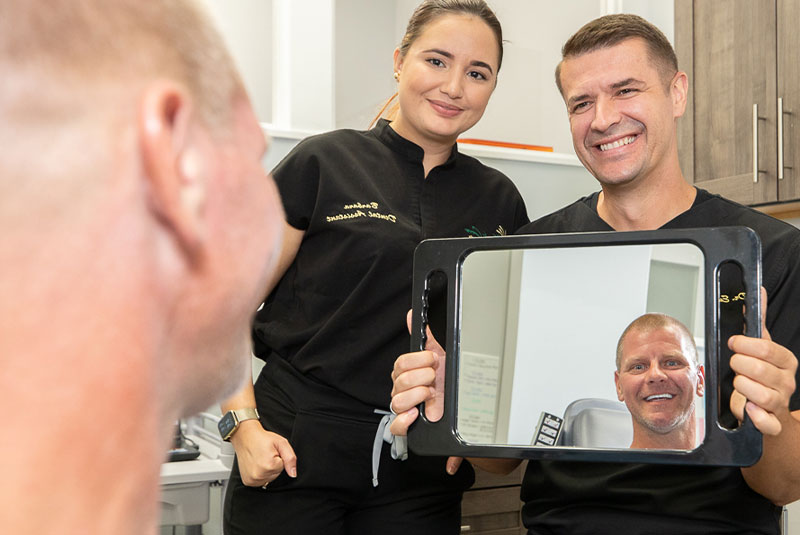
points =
(477, 75)
(436, 62)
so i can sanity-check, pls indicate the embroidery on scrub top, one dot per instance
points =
(475, 232)
(724, 298)
(358, 210)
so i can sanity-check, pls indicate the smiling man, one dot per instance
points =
(659, 380)
(624, 94)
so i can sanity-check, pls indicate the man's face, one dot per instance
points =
(245, 219)
(621, 115)
(658, 378)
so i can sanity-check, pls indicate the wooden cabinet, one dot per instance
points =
(492, 506)
(738, 137)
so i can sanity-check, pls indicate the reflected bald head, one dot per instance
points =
(652, 322)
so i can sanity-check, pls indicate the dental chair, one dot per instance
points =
(596, 423)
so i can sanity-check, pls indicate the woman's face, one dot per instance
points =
(445, 79)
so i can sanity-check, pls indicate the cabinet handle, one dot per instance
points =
(780, 138)
(756, 118)
(466, 528)
(781, 112)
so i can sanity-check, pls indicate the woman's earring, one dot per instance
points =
(396, 76)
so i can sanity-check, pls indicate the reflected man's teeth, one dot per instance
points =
(659, 396)
(618, 143)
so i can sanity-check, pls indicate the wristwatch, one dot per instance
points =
(230, 421)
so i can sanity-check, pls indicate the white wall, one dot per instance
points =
(341, 71)
(246, 26)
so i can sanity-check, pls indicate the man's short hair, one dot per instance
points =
(610, 30)
(84, 43)
(652, 322)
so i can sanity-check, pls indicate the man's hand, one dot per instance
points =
(765, 378)
(262, 455)
(418, 377)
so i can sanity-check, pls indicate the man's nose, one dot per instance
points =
(656, 373)
(606, 114)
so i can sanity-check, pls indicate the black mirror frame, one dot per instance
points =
(720, 447)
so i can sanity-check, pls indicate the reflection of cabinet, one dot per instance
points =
(492, 505)
(744, 83)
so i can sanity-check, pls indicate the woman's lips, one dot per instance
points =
(442, 108)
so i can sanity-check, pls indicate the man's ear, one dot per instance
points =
(679, 90)
(172, 165)
(620, 396)
(701, 381)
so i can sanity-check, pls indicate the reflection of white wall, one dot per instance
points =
(484, 306)
(573, 306)
(684, 254)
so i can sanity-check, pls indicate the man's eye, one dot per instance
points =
(627, 91)
(637, 367)
(580, 106)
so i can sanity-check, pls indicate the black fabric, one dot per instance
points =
(339, 313)
(336, 321)
(599, 498)
(332, 436)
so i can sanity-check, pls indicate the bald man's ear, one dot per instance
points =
(172, 164)
(701, 381)
(620, 396)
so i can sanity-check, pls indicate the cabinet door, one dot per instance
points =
(789, 92)
(731, 51)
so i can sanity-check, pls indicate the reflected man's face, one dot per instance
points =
(658, 379)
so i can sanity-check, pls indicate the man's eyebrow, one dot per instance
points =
(626, 82)
(573, 100)
(616, 85)
(448, 55)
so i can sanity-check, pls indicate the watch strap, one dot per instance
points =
(235, 417)
(248, 413)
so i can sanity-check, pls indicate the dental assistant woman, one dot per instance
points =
(357, 204)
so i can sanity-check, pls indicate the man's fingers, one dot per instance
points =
(411, 361)
(412, 379)
(764, 421)
(764, 332)
(763, 349)
(403, 421)
(738, 402)
(431, 344)
(766, 398)
(452, 464)
(408, 399)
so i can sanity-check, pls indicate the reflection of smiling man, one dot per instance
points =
(658, 377)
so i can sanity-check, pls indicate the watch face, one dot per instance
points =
(226, 425)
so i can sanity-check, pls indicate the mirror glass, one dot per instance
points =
(538, 347)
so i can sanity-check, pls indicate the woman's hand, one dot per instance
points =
(262, 454)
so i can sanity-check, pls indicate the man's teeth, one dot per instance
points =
(659, 396)
(617, 143)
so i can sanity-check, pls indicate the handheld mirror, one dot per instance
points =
(531, 330)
